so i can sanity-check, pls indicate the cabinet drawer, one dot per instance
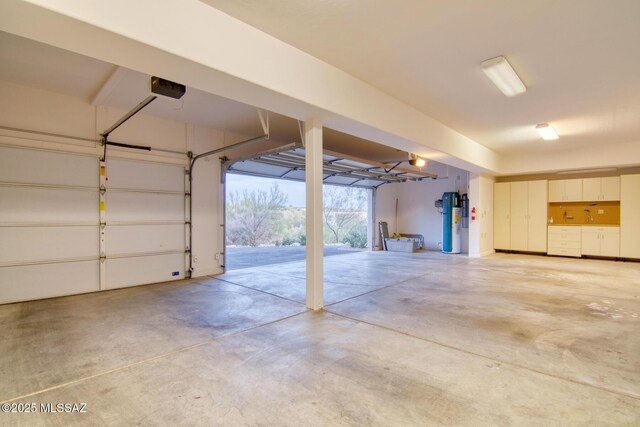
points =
(565, 244)
(565, 237)
(558, 230)
(564, 252)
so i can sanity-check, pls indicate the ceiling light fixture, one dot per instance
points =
(546, 132)
(415, 160)
(503, 76)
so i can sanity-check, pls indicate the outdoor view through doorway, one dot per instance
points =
(265, 221)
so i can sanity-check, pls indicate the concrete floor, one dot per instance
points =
(408, 339)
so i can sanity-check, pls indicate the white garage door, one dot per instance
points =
(49, 224)
(68, 228)
(145, 213)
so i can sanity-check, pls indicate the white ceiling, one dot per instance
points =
(578, 58)
(30, 63)
(38, 65)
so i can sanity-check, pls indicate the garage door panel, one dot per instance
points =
(260, 168)
(44, 167)
(50, 233)
(29, 244)
(145, 214)
(341, 180)
(47, 205)
(132, 271)
(28, 282)
(144, 207)
(144, 175)
(131, 239)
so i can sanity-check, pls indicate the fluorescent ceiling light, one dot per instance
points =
(547, 132)
(503, 76)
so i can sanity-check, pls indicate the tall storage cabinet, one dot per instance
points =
(519, 228)
(537, 216)
(501, 215)
(629, 216)
(520, 212)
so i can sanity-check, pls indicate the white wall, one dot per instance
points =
(43, 111)
(385, 205)
(416, 211)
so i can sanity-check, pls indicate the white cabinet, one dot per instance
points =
(564, 240)
(501, 215)
(601, 189)
(601, 241)
(591, 189)
(565, 190)
(610, 242)
(590, 241)
(537, 221)
(520, 216)
(519, 228)
(630, 216)
(610, 188)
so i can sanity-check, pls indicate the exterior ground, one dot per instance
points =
(244, 257)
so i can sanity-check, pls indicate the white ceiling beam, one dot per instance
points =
(105, 90)
(201, 47)
(605, 155)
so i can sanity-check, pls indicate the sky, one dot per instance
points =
(295, 191)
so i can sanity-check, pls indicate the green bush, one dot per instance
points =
(356, 238)
(288, 241)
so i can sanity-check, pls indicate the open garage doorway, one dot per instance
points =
(265, 221)
(276, 264)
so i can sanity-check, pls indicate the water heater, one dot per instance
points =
(451, 223)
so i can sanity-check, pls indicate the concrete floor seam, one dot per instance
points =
(281, 274)
(375, 290)
(260, 290)
(328, 305)
(116, 369)
(151, 359)
(618, 393)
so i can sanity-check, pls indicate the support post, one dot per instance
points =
(313, 178)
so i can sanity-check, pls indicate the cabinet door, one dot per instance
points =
(610, 188)
(556, 191)
(591, 189)
(610, 242)
(630, 216)
(537, 224)
(501, 215)
(519, 216)
(590, 241)
(572, 190)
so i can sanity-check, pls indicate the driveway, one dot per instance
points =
(237, 258)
